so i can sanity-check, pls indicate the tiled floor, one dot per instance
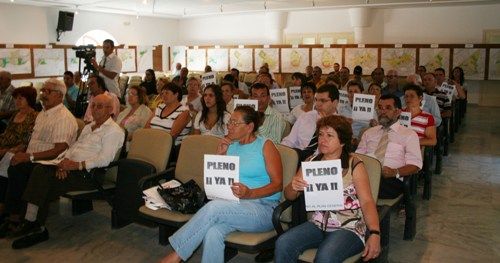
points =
(459, 224)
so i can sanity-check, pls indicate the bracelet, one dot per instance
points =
(374, 232)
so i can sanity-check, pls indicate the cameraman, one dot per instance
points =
(110, 67)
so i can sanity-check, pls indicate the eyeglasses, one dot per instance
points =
(235, 123)
(48, 91)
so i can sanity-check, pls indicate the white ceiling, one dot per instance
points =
(191, 8)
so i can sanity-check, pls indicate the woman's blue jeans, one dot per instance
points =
(333, 246)
(214, 221)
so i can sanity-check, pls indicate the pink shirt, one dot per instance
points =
(403, 147)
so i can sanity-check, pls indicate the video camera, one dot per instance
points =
(86, 53)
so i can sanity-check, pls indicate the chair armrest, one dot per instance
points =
(149, 180)
(277, 215)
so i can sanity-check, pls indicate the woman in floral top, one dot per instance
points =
(337, 234)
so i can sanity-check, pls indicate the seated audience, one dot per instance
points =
(240, 85)
(392, 84)
(309, 73)
(317, 79)
(96, 147)
(16, 135)
(307, 91)
(431, 89)
(267, 79)
(375, 89)
(298, 79)
(54, 131)
(177, 71)
(78, 80)
(274, 123)
(237, 92)
(193, 98)
(342, 233)
(181, 80)
(354, 87)
(421, 122)
(97, 87)
(7, 106)
(395, 146)
(429, 103)
(71, 90)
(358, 76)
(303, 137)
(421, 70)
(378, 76)
(259, 190)
(172, 116)
(344, 78)
(157, 99)
(213, 119)
(149, 82)
(137, 113)
(227, 94)
(457, 79)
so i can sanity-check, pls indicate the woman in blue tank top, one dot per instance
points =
(259, 191)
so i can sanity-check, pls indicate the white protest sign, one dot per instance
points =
(209, 78)
(343, 99)
(325, 190)
(363, 107)
(252, 103)
(295, 97)
(280, 99)
(448, 89)
(405, 119)
(220, 172)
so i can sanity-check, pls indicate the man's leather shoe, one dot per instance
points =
(31, 239)
(26, 227)
(7, 227)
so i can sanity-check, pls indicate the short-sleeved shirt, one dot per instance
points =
(166, 123)
(112, 63)
(420, 122)
(72, 93)
(56, 125)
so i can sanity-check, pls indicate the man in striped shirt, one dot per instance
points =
(54, 131)
(274, 123)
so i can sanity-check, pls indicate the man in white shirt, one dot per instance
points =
(303, 131)
(109, 67)
(97, 146)
(54, 131)
(97, 87)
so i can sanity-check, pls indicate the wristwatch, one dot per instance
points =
(32, 157)
(374, 232)
(397, 174)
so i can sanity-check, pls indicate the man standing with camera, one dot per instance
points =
(110, 67)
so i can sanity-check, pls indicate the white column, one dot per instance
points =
(274, 25)
(360, 20)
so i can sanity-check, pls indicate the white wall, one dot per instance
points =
(37, 25)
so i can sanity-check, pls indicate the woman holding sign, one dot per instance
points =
(421, 122)
(337, 234)
(213, 119)
(259, 191)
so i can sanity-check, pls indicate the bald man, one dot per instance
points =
(97, 146)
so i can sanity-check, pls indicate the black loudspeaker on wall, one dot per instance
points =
(65, 21)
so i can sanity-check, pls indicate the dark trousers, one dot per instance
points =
(18, 179)
(390, 188)
(44, 186)
(3, 188)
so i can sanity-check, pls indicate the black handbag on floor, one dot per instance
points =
(187, 198)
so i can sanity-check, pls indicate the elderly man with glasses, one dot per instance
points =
(54, 131)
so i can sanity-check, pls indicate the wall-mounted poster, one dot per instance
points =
(217, 58)
(367, 58)
(177, 55)
(241, 58)
(294, 59)
(144, 58)
(401, 59)
(196, 59)
(494, 72)
(325, 58)
(127, 55)
(471, 60)
(269, 56)
(72, 61)
(48, 62)
(433, 58)
(15, 60)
